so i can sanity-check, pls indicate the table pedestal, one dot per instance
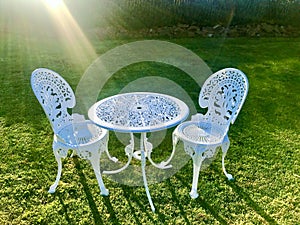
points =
(142, 154)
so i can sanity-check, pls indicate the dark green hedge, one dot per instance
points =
(136, 14)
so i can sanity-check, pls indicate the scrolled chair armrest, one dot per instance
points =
(59, 138)
(78, 118)
(197, 117)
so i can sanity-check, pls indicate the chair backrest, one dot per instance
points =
(55, 96)
(224, 93)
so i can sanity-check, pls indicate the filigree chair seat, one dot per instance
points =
(199, 133)
(70, 131)
(223, 94)
(80, 134)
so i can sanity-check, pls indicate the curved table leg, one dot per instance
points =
(105, 142)
(165, 163)
(148, 149)
(129, 152)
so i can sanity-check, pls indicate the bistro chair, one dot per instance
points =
(223, 94)
(71, 131)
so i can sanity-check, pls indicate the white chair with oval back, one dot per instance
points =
(223, 94)
(74, 132)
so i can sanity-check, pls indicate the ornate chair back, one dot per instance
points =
(55, 96)
(223, 93)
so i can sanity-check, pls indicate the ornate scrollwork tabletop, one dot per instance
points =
(138, 112)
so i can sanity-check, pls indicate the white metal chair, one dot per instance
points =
(73, 132)
(223, 94)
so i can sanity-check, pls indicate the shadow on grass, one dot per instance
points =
(132, 197)
(243, 195)
(204, 204)
(250, 202)
(111, 211)
(65, 208)
(127, 194)
(92, 204)
(175, 199)
(210, 209)
(96, 215)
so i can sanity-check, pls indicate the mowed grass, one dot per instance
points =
(263, 156)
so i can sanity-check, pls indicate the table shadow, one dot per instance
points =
(132, 197)
(127, 195)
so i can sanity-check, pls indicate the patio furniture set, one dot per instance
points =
(223, 94)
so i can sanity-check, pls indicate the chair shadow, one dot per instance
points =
(131, 197)
(250, 202)
(203, 203)
(106, 199)
(92, 204)
(241, 193)
(111, 210)
(175, 199)
(65, 208)
(247, 198)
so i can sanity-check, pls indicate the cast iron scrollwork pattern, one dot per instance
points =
(55, 96)
(223, 94)
(71, 131)
(147, 110)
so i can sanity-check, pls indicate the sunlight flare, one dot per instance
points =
(70, 34)
(54, 4)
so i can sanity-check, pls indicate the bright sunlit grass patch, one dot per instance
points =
(263, 155)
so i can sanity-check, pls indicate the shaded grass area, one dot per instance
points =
(263, 157)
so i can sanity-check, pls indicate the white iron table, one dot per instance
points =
(139, 112)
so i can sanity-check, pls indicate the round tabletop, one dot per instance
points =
(138, 112)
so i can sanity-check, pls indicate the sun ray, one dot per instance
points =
(70, 34)
(54, 3)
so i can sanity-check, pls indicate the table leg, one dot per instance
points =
(129, 152)
(148, 147)
(143, 163)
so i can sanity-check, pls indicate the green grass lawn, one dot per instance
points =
(263, 157)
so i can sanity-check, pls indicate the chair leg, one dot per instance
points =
(95, 161)
(59, 163)
(197, 161)
(225, 147)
